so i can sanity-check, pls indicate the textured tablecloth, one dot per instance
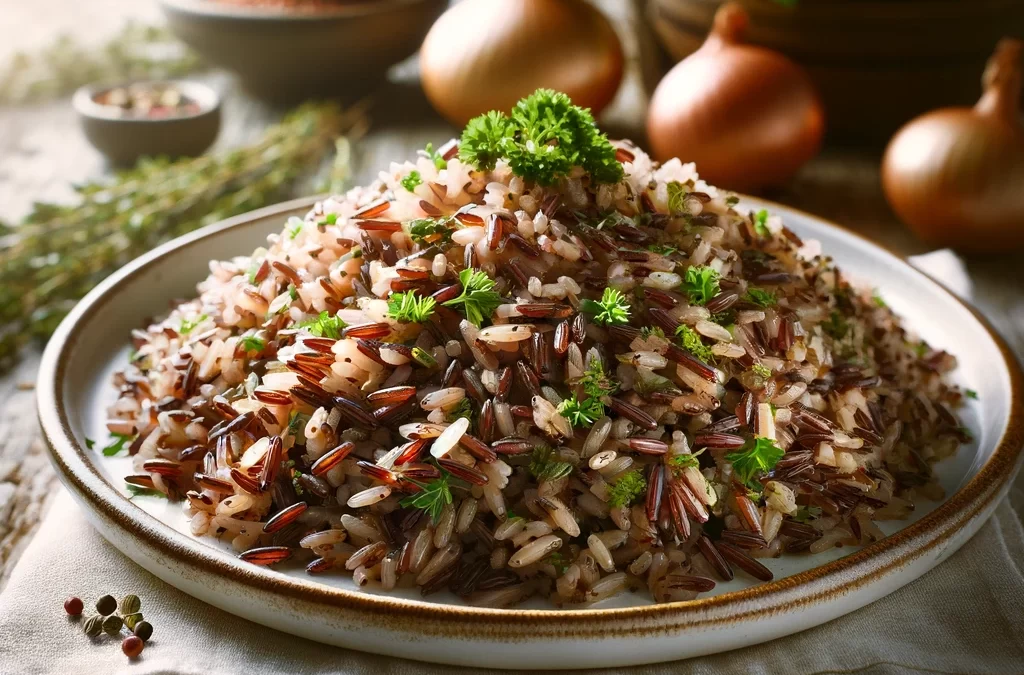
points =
(965, 616)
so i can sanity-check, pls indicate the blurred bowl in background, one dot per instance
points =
(124, 134)
(283, 54)
(876, 63)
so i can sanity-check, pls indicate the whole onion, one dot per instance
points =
(748, 116)
(956, 175)
(485, 55)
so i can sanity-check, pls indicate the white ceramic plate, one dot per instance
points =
(74, 389)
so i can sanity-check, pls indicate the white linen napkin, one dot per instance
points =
(966, 616)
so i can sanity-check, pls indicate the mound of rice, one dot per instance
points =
(737, 399)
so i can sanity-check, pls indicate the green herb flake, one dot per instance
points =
(701, 283)
(595, 382)
(732, 200)
(682, 461)
(189, 325)
(430, 230)
(545, 465)
(411, 180)
(760, 297)
(676, 198)
(761, 370)
(434, 156)
(434, 496)
(970, 393)
(294, 226)
(117, 444)
(692, 342)
(558, 561)
(251, 343)
(627, 489)
(835, 326)
(611, 309)
(137, 491)
(323, 325)
(877, 300)
(410, 308)
(648, 331)
(463, 409)
(478, 299)
(89, 443)
(921, 349)
(581, 413)
(756, 456)
(662, 249)
(760, 221)
(296, 422)
(806, 513)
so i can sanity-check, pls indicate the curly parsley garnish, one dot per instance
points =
(478, 299)
(434, 496)
(627, 489)
(411, 180)
(701, 283)
(756, 456)
(410, 308)
(545, 465)
(612, 308)
(323, 325)
(691, 341)
(543, 138)
(760, 221)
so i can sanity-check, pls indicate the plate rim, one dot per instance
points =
(827, 581)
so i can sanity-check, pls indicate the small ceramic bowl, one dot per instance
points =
(287, 54)
(124, 137)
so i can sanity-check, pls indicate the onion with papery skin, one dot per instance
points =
(484, 55)
(748, 116)
(956, 175)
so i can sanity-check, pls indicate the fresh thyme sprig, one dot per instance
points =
(61, 251)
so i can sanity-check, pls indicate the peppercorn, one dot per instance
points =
(131, 604)
(130, 620)
(112, 625)
(74, 606)
(132, 646)
(144, 630)
(106, 605)
(93, 626)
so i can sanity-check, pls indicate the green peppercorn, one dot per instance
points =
(131, 605)
(144, 630)
(106, 605)
(112, 625)
(93, 626)
(130, 620)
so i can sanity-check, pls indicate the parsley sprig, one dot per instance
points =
(701, 283)
(612, 308)
(478, 299)
(545, 465)
(323, 325)
(543, 138)
(693, 343)
(584, 411)
(410, 308)
(756, 456)
(760, 297)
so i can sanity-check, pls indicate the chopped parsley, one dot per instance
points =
(251, 343)
(545, 465)
(411, 180)
(612, 308)
(137, 491)
(595, 382)
(835, 326)
(329, 219)
(435, 157)
(683, 461)
(478, 299)
(627, 489)
(293, 292)
(878, 300)
(434, 496)
(189, 325)
(543, 138)
(294, 226)
(430, 230)
(410, 308)
(760, 297)
(692, 342)
(756, 456)
(464, 408)
(970, 393)
(648, 331)
(732, 200)
(662, 249)
(89, 443)
(761, 370)
(558, 561)
(701, 284)
(323, 325)
(581, 413)
(676, 198)
(116, 445)
(806, 513)
(760, 221)
(921, 348)
(297, 421)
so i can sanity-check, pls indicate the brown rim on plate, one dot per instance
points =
(827, 581)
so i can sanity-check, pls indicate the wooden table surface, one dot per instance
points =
(42, 152)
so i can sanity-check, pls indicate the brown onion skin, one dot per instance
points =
(955, 176)
(748, 116)
(485, 55)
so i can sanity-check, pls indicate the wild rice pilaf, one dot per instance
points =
(534, 362)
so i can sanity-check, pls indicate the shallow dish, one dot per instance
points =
(124, 138)
(74, 391)
(285, 55)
